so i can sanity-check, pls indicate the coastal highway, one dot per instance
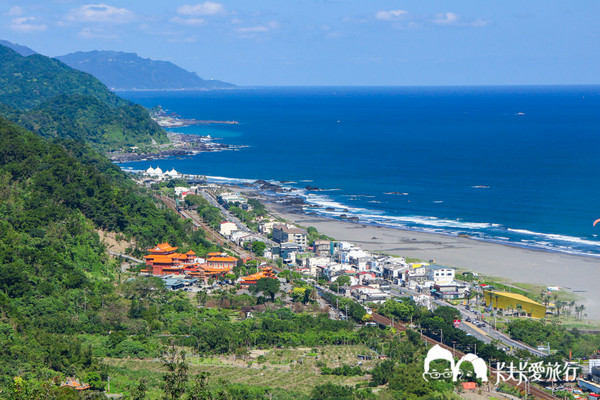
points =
(230, 217)
(484, 333)
(495, 374)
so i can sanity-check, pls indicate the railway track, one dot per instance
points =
(211, 234)
(533, 390)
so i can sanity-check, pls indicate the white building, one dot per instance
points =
(159, 174)
(154, 172)
(283, 233)
(227, 228)
(266, 227)
(440, 274)
(233, 198)
(181, 189)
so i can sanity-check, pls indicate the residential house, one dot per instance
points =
(266, 227)
(440, 274)
(283, 233)
(415, 274)
(322, 247)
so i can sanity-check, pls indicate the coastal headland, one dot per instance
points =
(569, 272)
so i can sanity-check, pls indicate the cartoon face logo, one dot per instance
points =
(438, 353)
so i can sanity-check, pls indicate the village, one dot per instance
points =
(367, 277)
(262, 246)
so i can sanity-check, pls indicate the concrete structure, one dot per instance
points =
(232, 198)
(158, 173)
(266, 227)
(322, 247)
(393, 271)
(227, 227)
(416, 273)
(179, 190)
(452, 290)
(513, 301)
(283, 233)
(440, 274)
(368, 294)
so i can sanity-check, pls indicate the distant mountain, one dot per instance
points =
(54, 100)
(128, 71)
(22, 50)
(27, 82)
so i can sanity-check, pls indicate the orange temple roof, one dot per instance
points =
(223, 259)
(266, 272)
(162, 247)
(161, 259)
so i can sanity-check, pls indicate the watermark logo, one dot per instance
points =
(522, 371)
(535, 372)
(453, 370)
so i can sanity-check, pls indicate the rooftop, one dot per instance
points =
(513, 296)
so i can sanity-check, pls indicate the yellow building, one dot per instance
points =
(513, 301)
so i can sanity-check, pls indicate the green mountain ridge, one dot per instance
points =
(53, 99)
(128, 71)
(56, 280)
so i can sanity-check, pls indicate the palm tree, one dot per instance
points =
(579, 309)
(572, 305)
(546, 300)
(559, 306)
(519, 309)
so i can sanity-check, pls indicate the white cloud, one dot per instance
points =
(25, 24)
(206, 8)
(15, 11)
(95, 33)
(451, 18)
(187, 21)
(100, 13)
(448, 18)
(253, 29)
(390, 15)
(260, 28)
(481, 22)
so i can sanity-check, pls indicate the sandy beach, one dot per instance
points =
(577, 274)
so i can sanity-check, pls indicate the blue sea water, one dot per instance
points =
(516, 165)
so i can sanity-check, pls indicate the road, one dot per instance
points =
(484, 332)
(228, 216)
(130, 258)
(536, 391)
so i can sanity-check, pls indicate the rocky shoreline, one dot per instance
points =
(180, 145)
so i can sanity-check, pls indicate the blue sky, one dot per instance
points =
(329, 42)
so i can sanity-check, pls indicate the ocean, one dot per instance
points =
(514, 165)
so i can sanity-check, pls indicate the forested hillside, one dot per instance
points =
(52, 99)
(56, 280)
